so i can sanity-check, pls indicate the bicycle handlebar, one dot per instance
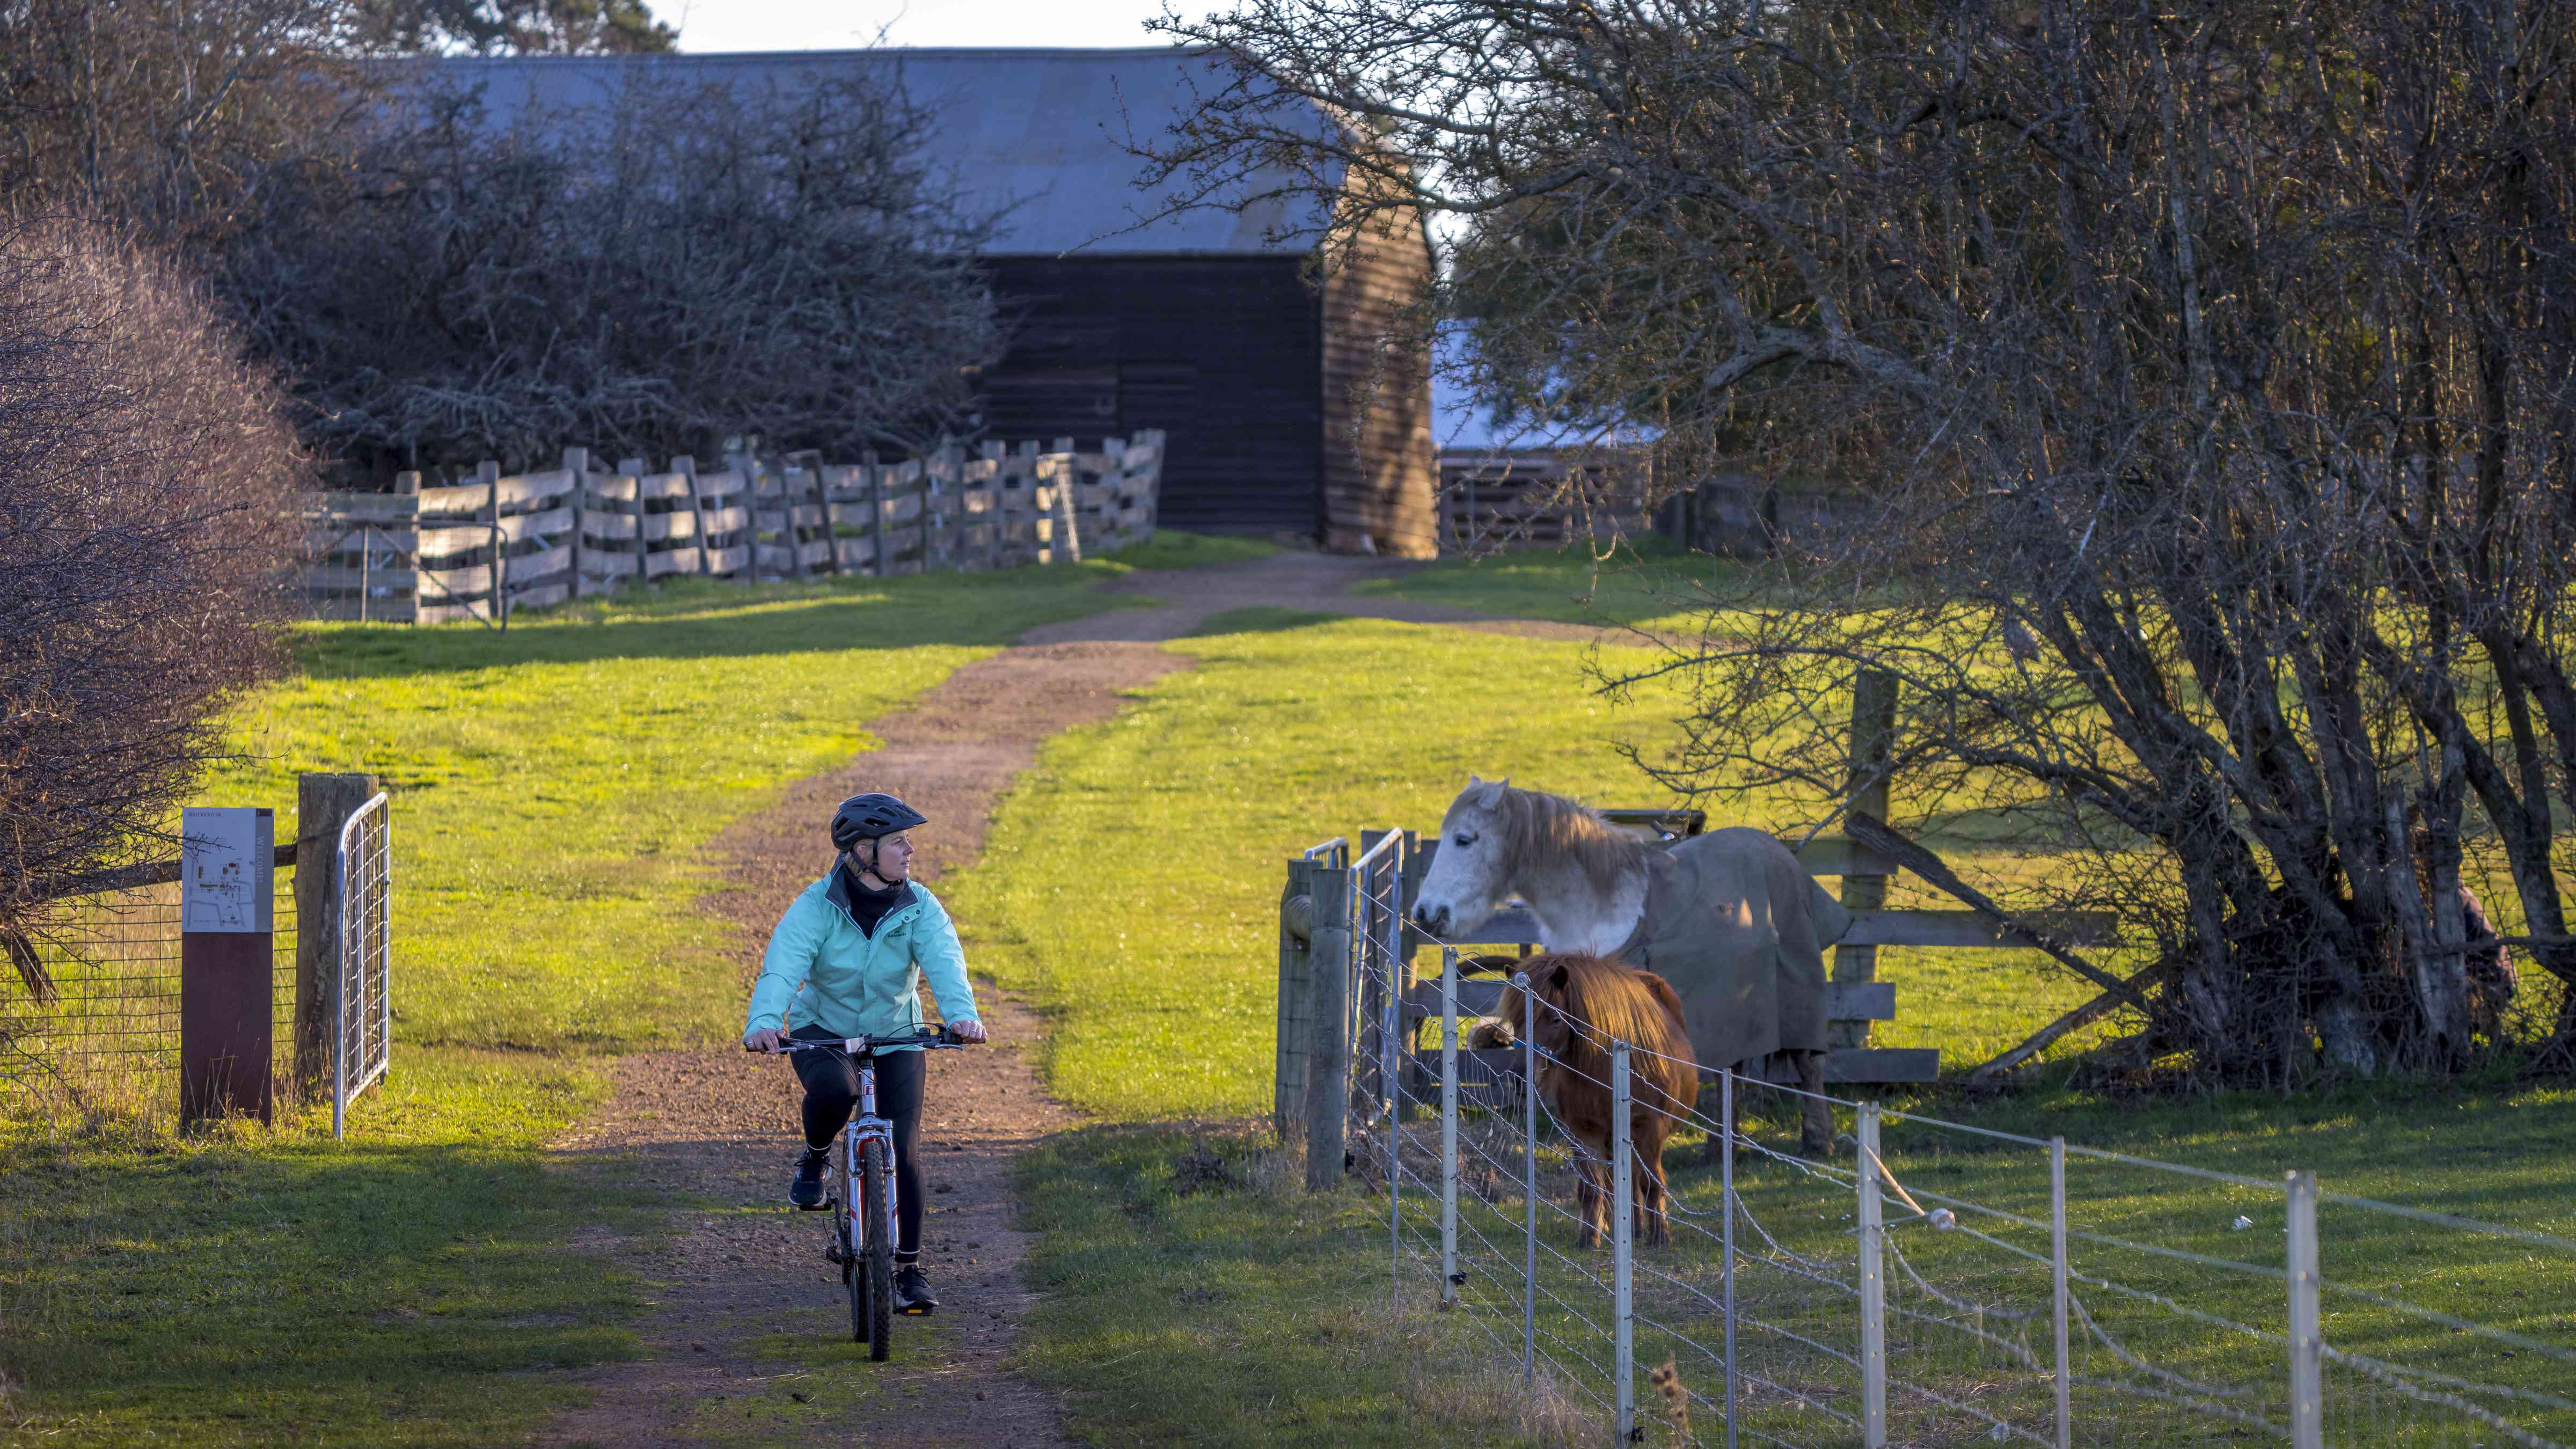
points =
(937, 1041)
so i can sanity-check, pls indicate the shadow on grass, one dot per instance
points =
(1193, 1292)
(698, 620)
(1261, 619)
(245, 1290)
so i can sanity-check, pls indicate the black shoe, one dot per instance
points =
(807, 1190)
(912, 1290)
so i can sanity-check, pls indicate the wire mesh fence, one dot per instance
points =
(1933, 1282)
(89, 1017)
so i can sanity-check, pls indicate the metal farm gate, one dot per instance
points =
(362, 975)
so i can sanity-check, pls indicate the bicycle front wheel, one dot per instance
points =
(876, 1260)
(854, 1277)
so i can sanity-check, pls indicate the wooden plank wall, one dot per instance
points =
(1532, 499)
(1222, 354)
(1380, 475)
(482, 549)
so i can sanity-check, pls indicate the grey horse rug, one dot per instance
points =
(1739, 928)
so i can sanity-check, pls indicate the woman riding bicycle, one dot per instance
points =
(847, 960)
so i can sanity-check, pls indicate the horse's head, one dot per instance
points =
(1469, 872)
(1546, 979)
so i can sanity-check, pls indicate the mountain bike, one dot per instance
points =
(861, 1199)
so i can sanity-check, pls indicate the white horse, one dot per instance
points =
(1729, 918)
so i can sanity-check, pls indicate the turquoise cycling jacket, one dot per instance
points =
(821, 970)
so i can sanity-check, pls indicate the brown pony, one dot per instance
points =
(1611, 1001)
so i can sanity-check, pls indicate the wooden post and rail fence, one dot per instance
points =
(477, 550)
(1316, 1079)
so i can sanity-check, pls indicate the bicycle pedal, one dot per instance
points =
(918, 1312)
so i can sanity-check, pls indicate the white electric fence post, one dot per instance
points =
(1529, 1181)
(2058, 1270)
(1449, 1274)
(1390, 1022)
(1873, 1290)
(1390, 950)
(1623, 1317)
(2307, 1329)
(1726, 1206)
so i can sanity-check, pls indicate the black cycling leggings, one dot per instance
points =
(832, 1092)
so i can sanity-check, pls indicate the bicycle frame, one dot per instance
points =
(865, 1126)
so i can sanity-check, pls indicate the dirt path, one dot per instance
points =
(717, 1126)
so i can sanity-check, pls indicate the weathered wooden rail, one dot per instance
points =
(479, 550)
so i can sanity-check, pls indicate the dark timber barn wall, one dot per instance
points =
(1223, 353)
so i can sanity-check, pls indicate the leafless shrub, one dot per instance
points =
(513, 27)
(2209, 367)
(175, 117)
(145, 483)
(649, 277)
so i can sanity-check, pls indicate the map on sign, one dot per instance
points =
(226, 872)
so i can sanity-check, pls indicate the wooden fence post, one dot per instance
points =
(1873, 742)
(743, 468)
(1328, 1054)
(496, 572)
(407, 485)
(1296, 999)
(877, 512)
(576, 461)
(687, 467)
(323, 803)
(821, 496)
(632, 505)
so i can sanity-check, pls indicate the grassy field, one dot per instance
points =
(1650, 583)
(1130, 885)
(1133, 875)
(415, 1286)
(552, 787)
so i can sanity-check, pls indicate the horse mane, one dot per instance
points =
(1614, 1000)
(1542, 829)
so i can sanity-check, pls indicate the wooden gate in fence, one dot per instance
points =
(479, 550)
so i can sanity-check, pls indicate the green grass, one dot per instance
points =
(1243, 1313)
(552, 787)
(411, 1287)
(1650, 583)
(1131, 884)
(1131, 880)
(1172, 549)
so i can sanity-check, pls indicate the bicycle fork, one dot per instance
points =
(865, 1127)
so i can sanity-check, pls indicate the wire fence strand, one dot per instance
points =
(2173, 1334)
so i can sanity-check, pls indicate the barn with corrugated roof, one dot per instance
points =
(1285, 408)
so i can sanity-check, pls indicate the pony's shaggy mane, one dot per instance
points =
(1540, 829)
(1614, 1002)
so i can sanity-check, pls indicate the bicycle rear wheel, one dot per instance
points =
(876, 1260)
(854, 1277)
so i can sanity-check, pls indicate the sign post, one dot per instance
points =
(227, 943)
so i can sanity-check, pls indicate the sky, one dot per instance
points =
(722, 25)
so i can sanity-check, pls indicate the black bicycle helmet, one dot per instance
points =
(865, 817)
